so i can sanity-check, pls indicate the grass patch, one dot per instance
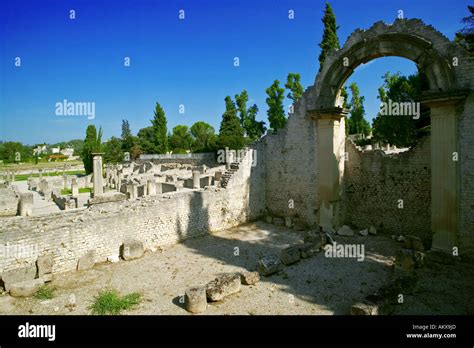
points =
(45, 293)
(24, 177)
(110, 302)
(81, 190)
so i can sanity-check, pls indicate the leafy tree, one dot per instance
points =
(465, 36)
(357, 123)
(181, 140)
(92, 143)
(126, 132)
(160, 130)
(401, 131)
(255, 129)
(294, 85)
(135, 152)
(275, 112)
(15, 152)
(113, 152)
(128, 140)
(146, 140)
(204, 137)
(231, 133)
(330, 39)
(241, 101)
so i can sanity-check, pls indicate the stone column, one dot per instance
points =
(97, 170)
(25, 207)
(151, 187)
(74, 188)
(196, 179)
(444, 174)
(330, 151)
(13, 176)
(40, 173)
(64, 181)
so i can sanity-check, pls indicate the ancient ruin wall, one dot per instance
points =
(374, 182)
(291, 167)
(155, 221)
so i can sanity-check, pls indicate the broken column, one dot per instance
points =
(64, 181)
(40, 174)
(98, 180)
(196, 299)
(196, 177)
(74, 188)
(25, 207)
(151, 187)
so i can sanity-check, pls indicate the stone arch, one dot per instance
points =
(410, 39)
(433, 54)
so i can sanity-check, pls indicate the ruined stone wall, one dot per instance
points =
(291, 167)
(465, 115)
(153, 220)
(375, 181)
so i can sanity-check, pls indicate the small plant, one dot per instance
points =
(45, 293)
(110, 302)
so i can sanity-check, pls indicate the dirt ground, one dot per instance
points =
(318, 285)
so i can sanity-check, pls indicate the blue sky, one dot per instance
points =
(173, 61)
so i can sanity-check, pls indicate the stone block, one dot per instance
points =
(316, 238)
(372, 230)
(270, 264)
(290, 255)
(364, 309)
(44, 264)
(413, 242)
(27, 288)
(307, 250)
(25, 207)
(345, 231)
(131, 249)
(18, 275)
(364, 232)
(405, 260)
(87, 261)
(48, 277)
(222, 286)
(249, 278)
(196, 299)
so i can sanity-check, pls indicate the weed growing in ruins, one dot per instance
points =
(110, 302)
(45, 293)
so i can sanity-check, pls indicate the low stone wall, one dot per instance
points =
(374, 184)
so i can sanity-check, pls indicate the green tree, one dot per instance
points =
(357, 123)
(330, 39)
(113, 152)
(465, 36)
(146, 140)
(15, 152)
(128, 140)
(231, 134)
(204, 137)
(160, 130)
(241, 101)
(92, 143)
(401, 131)
(293, 84)
(181, 139)
(255, 129)
(276, 111)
